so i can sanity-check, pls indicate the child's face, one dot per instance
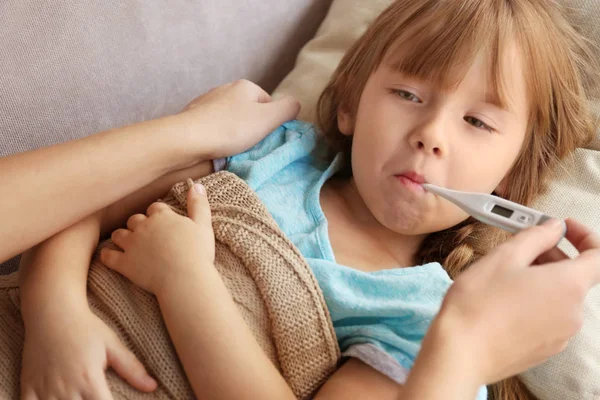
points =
(405, 126)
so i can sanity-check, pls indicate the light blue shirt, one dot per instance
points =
(388, 310)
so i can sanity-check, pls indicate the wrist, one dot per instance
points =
(168, 143)
(457, 344)
(48, 312)
(197, 275)
(447, 357)
(193, 139)
(38, 300)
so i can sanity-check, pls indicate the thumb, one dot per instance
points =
(112, 259)
(281, 110)
(197, 204)
(128, 367)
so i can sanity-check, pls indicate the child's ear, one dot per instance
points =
(344, 121)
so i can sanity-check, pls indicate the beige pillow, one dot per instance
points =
(575, 373)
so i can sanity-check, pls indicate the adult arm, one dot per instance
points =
(47, 190)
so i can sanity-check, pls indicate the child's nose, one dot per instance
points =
(429, 134)
(434, 150)
(428, 139)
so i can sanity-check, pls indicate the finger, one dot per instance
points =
(126, 364)
(28, 394)
(156, 208)
(553, 255)
(197, 205)
(526, 246)
(585, 268)
(581, 236)
(135, 221)
(262, 96)
(254, 90)
(121, 237)
(97, 388)
(279, 111)
(111, 258)
(590, 268)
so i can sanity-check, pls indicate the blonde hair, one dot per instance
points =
(445, 36)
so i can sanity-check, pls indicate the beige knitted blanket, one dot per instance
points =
(266, 275)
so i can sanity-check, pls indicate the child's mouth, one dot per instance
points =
(412, 181)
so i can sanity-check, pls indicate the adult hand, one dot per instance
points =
(514, 316)
(232, 118)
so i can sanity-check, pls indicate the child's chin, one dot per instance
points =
(407, 220)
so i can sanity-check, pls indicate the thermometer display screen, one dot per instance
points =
(505, 212)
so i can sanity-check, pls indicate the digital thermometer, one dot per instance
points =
(493, 210)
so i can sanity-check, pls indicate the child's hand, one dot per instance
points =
(513, 314)
(162, 245)
(66, 355)
(232, 118)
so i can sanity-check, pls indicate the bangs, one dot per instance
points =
(440, 40)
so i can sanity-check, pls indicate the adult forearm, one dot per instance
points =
(220, 355)
(445, 368)
(53, 275)
(46, 190)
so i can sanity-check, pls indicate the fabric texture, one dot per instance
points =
(69, 69)
(573, 374)
(268, 278)
(390, 309)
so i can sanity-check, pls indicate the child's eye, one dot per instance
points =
(407, 95)
(477, 123)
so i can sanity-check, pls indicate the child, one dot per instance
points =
(480, 96)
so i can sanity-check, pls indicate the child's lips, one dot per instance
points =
(411, 183)
(414, 176)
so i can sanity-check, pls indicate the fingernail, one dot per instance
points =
(199, 189)
(553, 223)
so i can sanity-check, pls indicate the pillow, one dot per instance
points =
(575, 193)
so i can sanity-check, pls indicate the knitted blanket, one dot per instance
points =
(266, 275)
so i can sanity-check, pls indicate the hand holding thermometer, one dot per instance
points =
(493, 210)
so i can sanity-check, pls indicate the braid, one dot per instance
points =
(458, 247)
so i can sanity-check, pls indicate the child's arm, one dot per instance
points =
(67, 347)
(443, 371)
(53, 188)
(53, 279)
(220, 355)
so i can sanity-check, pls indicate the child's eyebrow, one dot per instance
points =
(504, 112)
(493, 99)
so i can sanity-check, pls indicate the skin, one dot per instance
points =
(455, 139)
